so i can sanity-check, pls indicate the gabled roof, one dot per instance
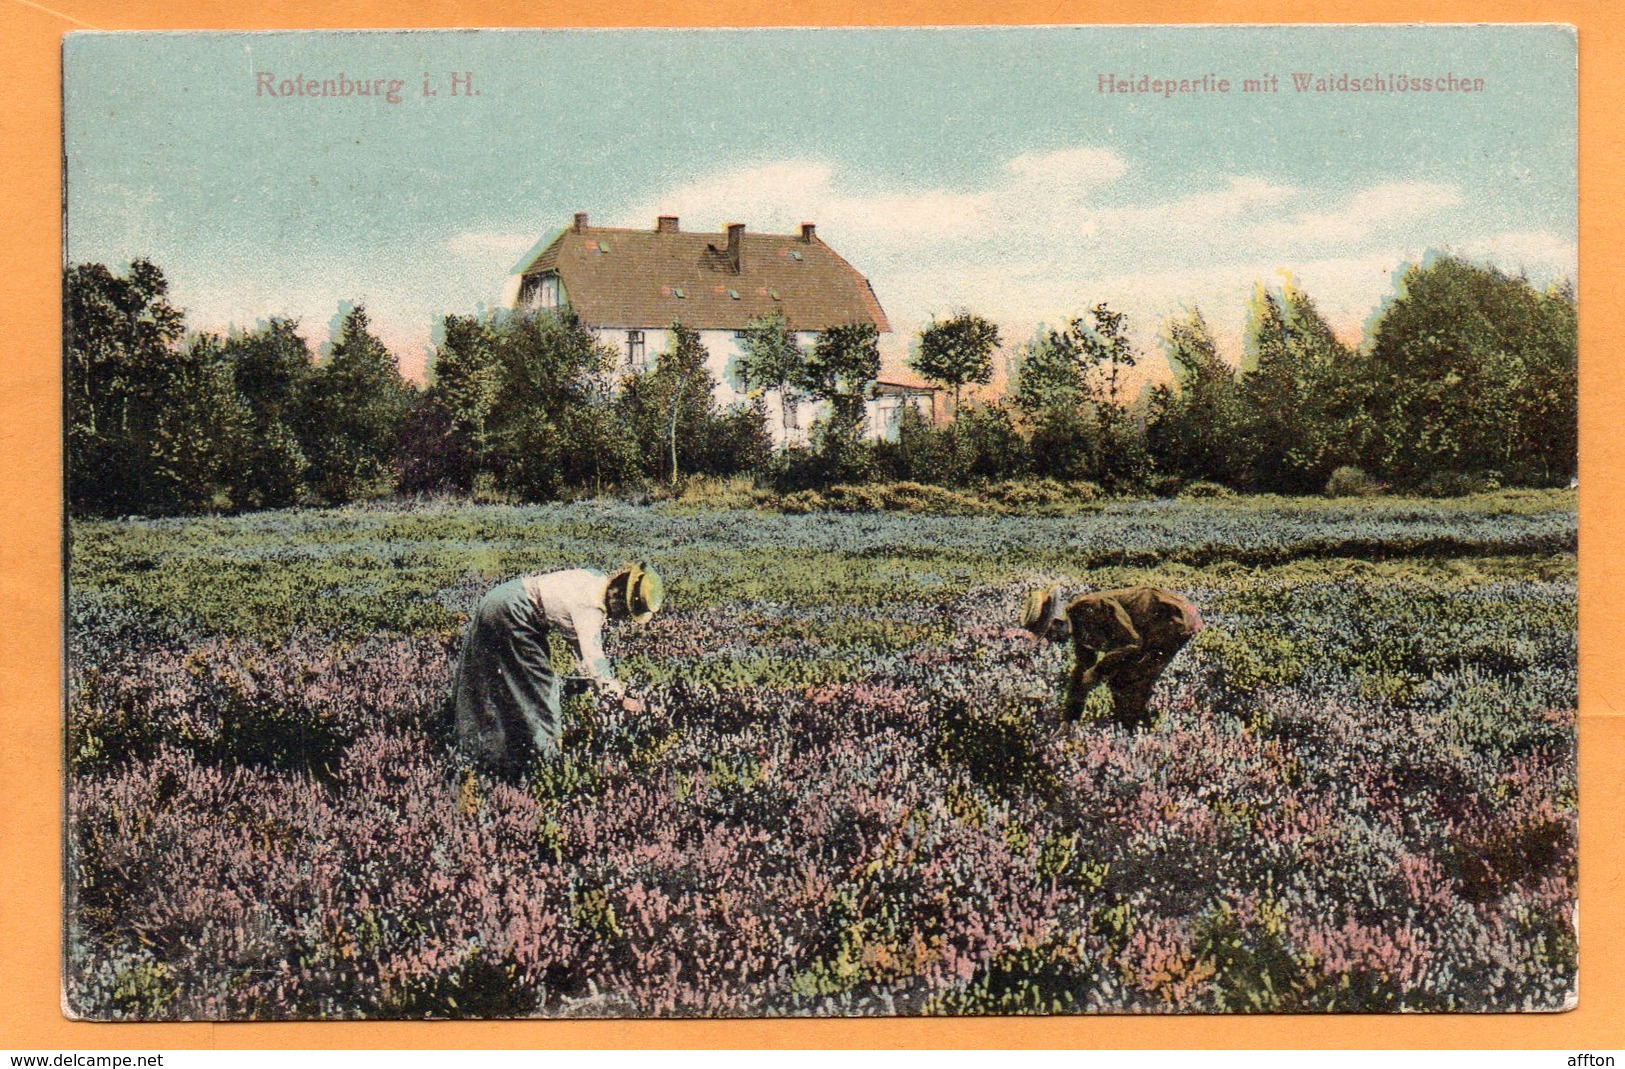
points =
(620, 278)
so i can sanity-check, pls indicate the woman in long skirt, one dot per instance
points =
(506, 694)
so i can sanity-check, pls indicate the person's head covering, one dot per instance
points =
(1042, 610)
(645, 591)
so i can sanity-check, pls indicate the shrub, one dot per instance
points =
(901, 497)
(710, 492)
(1349, 481)
(1458, 483)
(1201, 489)
(1043, 497)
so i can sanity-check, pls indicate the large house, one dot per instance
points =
(629, 286)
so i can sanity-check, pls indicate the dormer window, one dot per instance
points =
(539, 291)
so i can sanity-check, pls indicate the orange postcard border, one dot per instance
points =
(31, 552)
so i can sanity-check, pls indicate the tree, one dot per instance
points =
(551, 426)
(983, 443)
(772, 359)
(451, 443)
(1545, 445)
(1301, 403)
(201, 445)
(957, 351)
(1271, 392)
(354, 407)
(1335, 419)
(1475, 371)
(1071, 386)
(683, 394)
(1051, 390)
(121, 336)
(841, 370)
(843, 366)
(1108, 353)
(269, 367)
(1192, 427)
(673, 414)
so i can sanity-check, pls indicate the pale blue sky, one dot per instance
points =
(956, 168)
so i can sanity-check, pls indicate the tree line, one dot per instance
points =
(1469, 377)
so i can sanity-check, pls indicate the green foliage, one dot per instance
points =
(1469, 384)
(1041, 497)
(200, 443)
(1349, 481)
(841, 370)
(1108, 354)
(1192, 428)
(982, 443)
(140, 408)
(772, 359)
(1199, 490)
(271, 367)
(1302, 414)
(352, 409)
(843, 364)
(551, 425)
(672, 414)
(1480, 373)
(703, 493)
(1254, 967)
(1070, 386)
(1049, 391)
(451, 435)
(957, 351)
(883, 497)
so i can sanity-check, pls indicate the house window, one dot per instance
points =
(792, 414)
(539, 291)
(634, 348)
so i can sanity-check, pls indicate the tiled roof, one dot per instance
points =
(904, 380)
(623, 278)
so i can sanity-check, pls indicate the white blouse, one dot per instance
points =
(574, 601)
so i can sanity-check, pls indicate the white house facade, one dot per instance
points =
(630, 286)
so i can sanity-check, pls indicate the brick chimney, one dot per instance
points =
(736, 239)
(581, 220)
(666, 224)
(807, 232)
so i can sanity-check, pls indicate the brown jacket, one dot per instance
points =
(1125, 638)
(1143, 618)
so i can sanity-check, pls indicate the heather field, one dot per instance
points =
(850, 793)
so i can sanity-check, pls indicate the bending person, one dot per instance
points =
(506, 695)
(1122, 638)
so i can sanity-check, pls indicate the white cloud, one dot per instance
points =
(1036, 192)
(780, 196)
(1392, 205)
(1543, 255)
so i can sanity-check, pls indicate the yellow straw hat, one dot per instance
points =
(645, 591)
(1040, 608)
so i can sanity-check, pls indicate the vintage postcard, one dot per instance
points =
(779, 523)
